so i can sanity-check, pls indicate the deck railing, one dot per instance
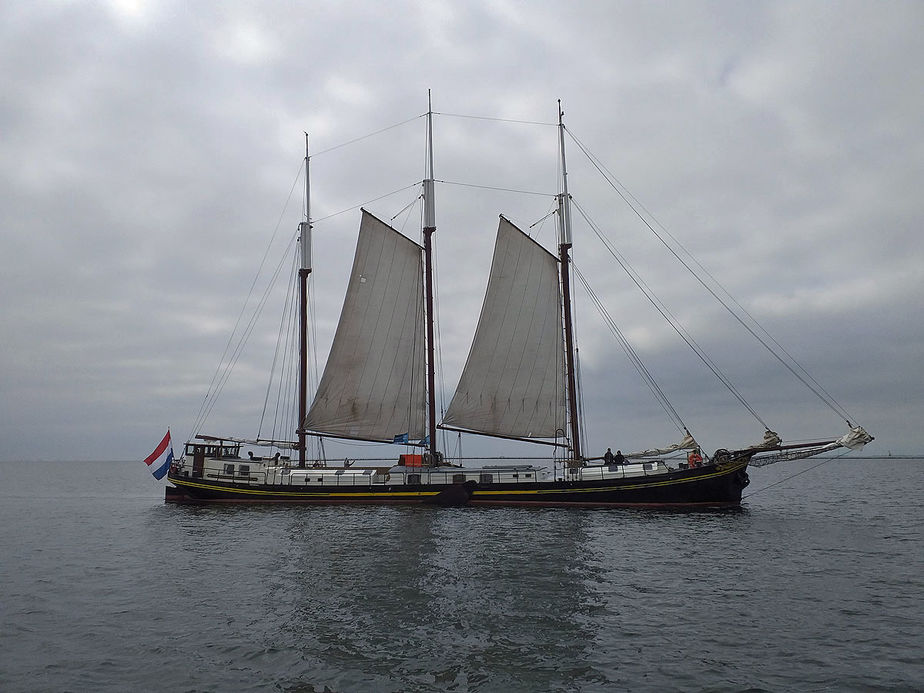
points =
(309, 477)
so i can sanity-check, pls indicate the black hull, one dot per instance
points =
(709, 486)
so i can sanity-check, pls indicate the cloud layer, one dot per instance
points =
(149, 151)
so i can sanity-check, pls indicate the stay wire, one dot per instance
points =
(245, 335)
(497, 188)
(282, 345)
(795, 368)
(788, 478)
(496, 120)
(285, 412)
(632, 354)
(202, 415)
(362, 204)
(666, 314)
(367, 136)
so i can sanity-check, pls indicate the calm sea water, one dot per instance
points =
(817, 584)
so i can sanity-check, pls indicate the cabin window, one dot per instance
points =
(516, 476)
(229, 469)
(244, 470)
(647, 466)
(527, 475)
(413, 478)
(486, 478)
(320, 478)
(458, 478)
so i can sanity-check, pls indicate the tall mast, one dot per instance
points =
(304, 270)
(564, 246)
(429, 230)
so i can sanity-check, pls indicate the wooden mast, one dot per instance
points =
(564, 246)
(304, 270)
(429, 230)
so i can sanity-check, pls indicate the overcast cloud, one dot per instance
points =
(149, 150)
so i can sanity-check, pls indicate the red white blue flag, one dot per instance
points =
(160, 460)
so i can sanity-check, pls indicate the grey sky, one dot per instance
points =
(148, 150)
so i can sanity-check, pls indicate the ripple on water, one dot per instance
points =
(810, 587)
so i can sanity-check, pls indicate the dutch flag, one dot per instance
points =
(159, 461)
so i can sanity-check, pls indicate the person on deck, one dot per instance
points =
(608, 457)
(695, 459)
(619, 458)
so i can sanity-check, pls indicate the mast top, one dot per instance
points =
(429, 201)
(305, 226)
(564, 199)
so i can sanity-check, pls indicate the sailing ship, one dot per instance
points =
(519, 382)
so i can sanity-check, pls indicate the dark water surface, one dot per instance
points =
(817, 584)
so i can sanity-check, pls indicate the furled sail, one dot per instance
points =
(688, 443)
(512, 383)
(374, 387)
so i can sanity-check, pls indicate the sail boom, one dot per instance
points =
(497, 435)
(321, 434)
(263, 442)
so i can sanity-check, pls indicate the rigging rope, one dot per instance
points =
(793, 366)
(361, 204)
(497, 120)
(206, 407)
(492, 187)
(367, 136)
(285, 329)
(632, 354)
(239, 348)
(777, 483)
(667, 315)
(552, 211)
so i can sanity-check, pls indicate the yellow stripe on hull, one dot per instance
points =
(622, 487)
(476, 493)
(302, 494)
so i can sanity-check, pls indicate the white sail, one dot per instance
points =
(373, 387)
(512, 383)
